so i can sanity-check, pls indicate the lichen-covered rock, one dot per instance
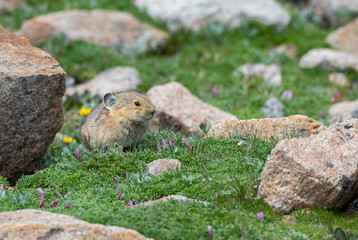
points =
(37, 224)
(160, 166)
(179, 110)
(342, 111)
(32, 85)
(196, 14)
(321, 170)
(270, 73)
(329, 59)
(345, 38)
(268, 128)
(111, 80)
(115, 29)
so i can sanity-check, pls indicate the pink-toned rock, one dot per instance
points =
(268, 128)
(32, 85)
(160, 166)
(345, 38)
(342, 111)
(111, 80)
(173, 197)
(317, 171)
(10, 5)
(270, 73)
(115, 29)
(179, 110)
(37, 224)
(339, 79)
(329, 59)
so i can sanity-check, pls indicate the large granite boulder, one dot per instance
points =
(37, 224)
(115, 29)
(32, 85)
(345, 38)
(179, 110)
(320, 171)
(196, 14)
(268, 128)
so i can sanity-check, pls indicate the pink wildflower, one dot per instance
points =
(335, 97)
(116, 180)
(187, 144)
(42, 197)
(211, 233)
(68, 204)
(158, 146)
(260, 216)
(287, 95)
(78, 155)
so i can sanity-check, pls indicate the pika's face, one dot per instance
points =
(131, 105)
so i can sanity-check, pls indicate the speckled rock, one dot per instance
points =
(270, 73)
(110, 80)
(329, 59)
(272, 108)
(342, 111)
(171, 197)
(115, 29)
(329, 7)
(268, 128)
(160, 166)
(317, 171)
(10, 5)
(339, 79)
(32, 85)
(196, 14)
(179, 110)
(345, 38)
(37, 224)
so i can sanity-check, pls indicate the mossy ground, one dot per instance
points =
(199, 61)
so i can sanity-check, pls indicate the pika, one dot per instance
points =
(123, 117)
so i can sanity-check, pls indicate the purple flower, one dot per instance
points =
(78, 155)
(187, 144)
(35, 199)
(42, 197)
(260, 216)
(320, 112)
(116, 180)
(210, 179)
(211, 233)
(204, 179)
(53, 204)
(68, 204)
(335, 97)
(165, 144)
(287, 95)
(216, 91)
(131, 204)
(217, 182)
(158, 146)
(120, 196)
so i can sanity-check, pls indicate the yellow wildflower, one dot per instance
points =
(84, 111)
(67, 139)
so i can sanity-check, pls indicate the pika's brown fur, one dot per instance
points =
(122, 118)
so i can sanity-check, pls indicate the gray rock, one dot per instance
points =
(329, 7)
(196, 14)
(179, 110)
(355, 113)
(317, 171)
(272, 108)
(37, 224)
(115, 29)
(160, 166)
(329, 59)
(32, 85)
(342, 111)
(270, 73)
(110, 80)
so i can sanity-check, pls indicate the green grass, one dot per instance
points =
(198, 61)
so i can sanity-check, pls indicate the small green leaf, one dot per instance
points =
(339, 233)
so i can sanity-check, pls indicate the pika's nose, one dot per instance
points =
(153, 112)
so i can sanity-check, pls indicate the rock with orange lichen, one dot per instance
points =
(37, 224)
(320, 171)
(32, 84)
(268, 128)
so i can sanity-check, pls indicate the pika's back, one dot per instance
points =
(122, 118)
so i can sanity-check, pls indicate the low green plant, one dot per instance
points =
(339, 234)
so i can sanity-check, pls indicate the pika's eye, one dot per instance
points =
(137, 103)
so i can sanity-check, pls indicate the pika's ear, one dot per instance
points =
(109, 100)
